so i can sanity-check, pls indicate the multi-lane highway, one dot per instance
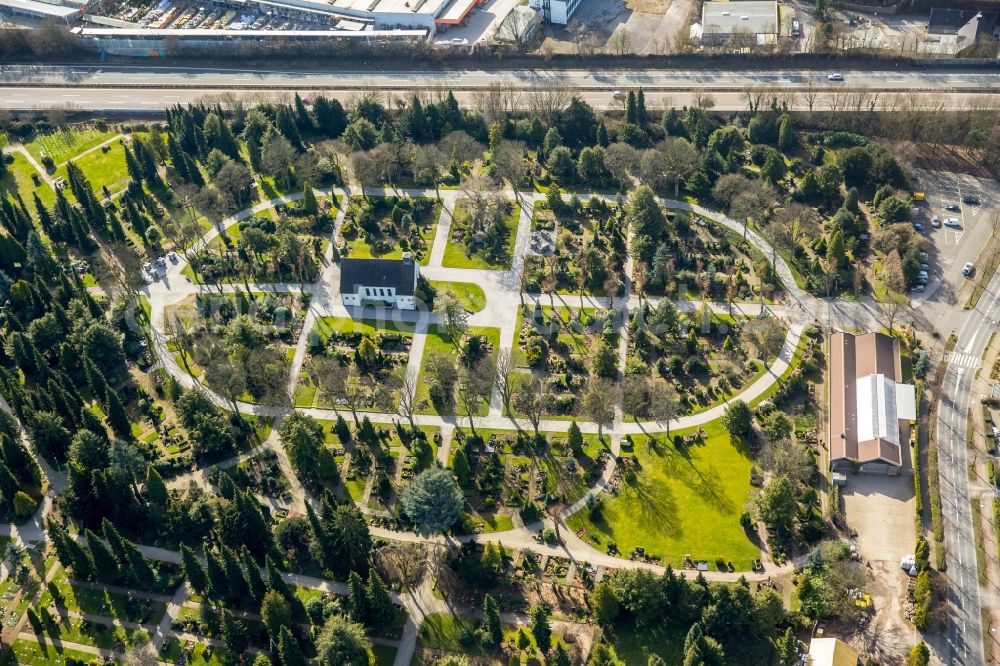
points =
(467, 79)
(965, 637)
(113, 88)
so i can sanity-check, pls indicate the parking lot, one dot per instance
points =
(952, 247)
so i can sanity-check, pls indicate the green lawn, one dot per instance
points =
(491, 522)
(172, 651)
(63, 145)
(472, 295)
(103, 169)
(18, 178)
(634, 646)
(30, 652)
(440, 632)
(82, 599)
(455, 255)
(680, 502)
(439, 343)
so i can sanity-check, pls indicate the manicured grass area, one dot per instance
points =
(800, 350)
(472, 295)
(325, 326)
(103, 169)
(438, 343)
(455, 255)
(29, 652)
(635, 646)
(75, 597)
(173, 649)
(439, 631)
(18, 178)
(63, 145)
(76, 630)
(491, 522)
(680, 502)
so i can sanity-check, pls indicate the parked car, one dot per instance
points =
(836, 76)
(968, 269)
(971, 199)
(923, 277)
(953, 208)
(953, 223)
(936, 222)
(918, 288)
(919, 226)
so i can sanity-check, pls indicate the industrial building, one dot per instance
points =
(870, 408)
(756, 21)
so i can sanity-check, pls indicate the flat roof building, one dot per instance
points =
(831, 652)
(754, 20)
(39, 10)
(870, 407)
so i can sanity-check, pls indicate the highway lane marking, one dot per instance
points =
(975, 335)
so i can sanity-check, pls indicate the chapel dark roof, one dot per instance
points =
(396, 273)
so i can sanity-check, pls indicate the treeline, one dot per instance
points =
(723, 623)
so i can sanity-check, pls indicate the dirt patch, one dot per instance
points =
(648, 6)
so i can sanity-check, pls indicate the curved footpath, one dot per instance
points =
(502, 288)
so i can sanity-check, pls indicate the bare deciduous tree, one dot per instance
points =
(407, 405)
(546, 98)
(621, 42)
(503, 377)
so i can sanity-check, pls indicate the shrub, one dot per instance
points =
(24, 504)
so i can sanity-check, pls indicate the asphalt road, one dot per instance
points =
(650, 79)
(145, 100)
(965, 634)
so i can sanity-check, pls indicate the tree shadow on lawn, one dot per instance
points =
(706, 483)
(655, 504)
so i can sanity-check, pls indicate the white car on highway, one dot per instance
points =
(836, 76)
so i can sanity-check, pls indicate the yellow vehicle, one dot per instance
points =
(918, 196)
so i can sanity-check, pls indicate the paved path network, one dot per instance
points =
(503, 290)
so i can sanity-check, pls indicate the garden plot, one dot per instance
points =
(238, 344)
(482, 236)
(696, 258)
(693, 360)
(579, 250)
(387, 227)
(355, 365)
(381, 458)
(456, 376)
(563, 347)
(507, 472)
(263, 249)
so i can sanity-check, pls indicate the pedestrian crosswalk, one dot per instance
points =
(963, 360)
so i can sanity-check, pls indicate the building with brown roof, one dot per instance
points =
(870, 407)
